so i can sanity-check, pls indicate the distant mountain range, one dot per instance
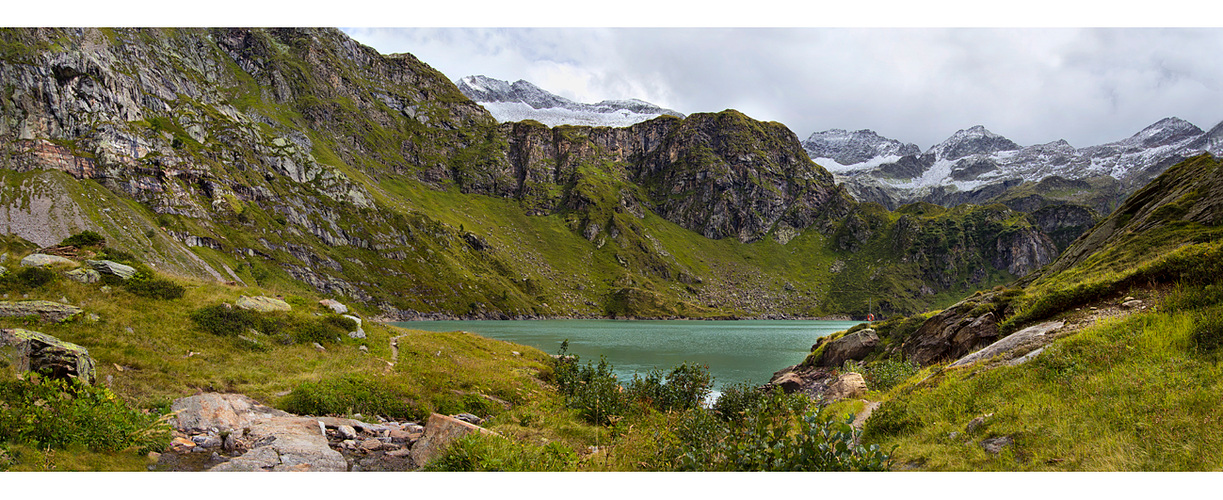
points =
(972, 166)
(976, 165)
(522, 100)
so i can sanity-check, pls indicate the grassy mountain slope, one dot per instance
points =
(1123, 386)
(299, 159)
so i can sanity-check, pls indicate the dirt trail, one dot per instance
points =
(394, 351)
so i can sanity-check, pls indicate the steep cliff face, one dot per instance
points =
(298, 156)
(725, 175)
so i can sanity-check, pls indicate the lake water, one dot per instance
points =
(735, 351)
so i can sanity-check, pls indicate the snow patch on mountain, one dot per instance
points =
(523, 100)
(975, 157)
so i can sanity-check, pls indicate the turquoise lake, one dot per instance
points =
(735, 351)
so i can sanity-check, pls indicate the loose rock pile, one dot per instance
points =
(231, 432)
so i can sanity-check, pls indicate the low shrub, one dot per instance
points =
(1207, 332)
(226, 321)
(780, 432)
(154, 287)
(351, 394)
(685, 386)
(116, 255)
(28, 278)
(600, 399)
(479, 452)
(736, 400)
(884, 374)
(84, 239)
(47, 412)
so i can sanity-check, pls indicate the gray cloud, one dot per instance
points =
(1088, 86)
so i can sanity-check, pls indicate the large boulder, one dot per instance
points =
(334, 305)
(274, 440)
(819, 382)
(847, 385)
(286, 444)
(440, 431)
(958, 330)
(84, 275)
(1021, 341)
(224, 412)
(359, 333)
(38, 352)
(262, 304)
(855, 346)
(112, 268)
(44, 309)
(44, 260)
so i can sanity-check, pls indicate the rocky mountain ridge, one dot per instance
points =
(977, 166)
(298, 157)
(523, 100)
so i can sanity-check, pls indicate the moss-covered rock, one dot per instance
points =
(37, 352)
(262, 304)
(44, 309)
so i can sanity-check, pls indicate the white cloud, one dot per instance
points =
(918, 85)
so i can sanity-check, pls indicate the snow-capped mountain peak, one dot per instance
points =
(523, 100)
(975, 162)
(975, 140)
(1163, 132)
(853, 148)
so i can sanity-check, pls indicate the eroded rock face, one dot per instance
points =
(855, 346)
(38, 352)
(954, 332)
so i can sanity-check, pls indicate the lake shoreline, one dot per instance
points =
(734, 351)
(407, 318)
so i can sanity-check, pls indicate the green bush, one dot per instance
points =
(350, 394)
(780, 432)
(154, 287)
(736, 400)
(28, 278)
(684, 387)
(226, 320)
(479, 452)
(84, 239)
(47, 412)
(116, 255)
(884, 374)
(1207, 332)
(600, 399)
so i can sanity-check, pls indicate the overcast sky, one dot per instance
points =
(919, 85)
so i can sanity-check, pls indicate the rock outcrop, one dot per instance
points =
(1022, 341)
(44, 309)
(38, 352)
(262, 304)
(440, 431)
(855, 346)
(954, 332)
(44, 260)
(112, 268)
(826, 384)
